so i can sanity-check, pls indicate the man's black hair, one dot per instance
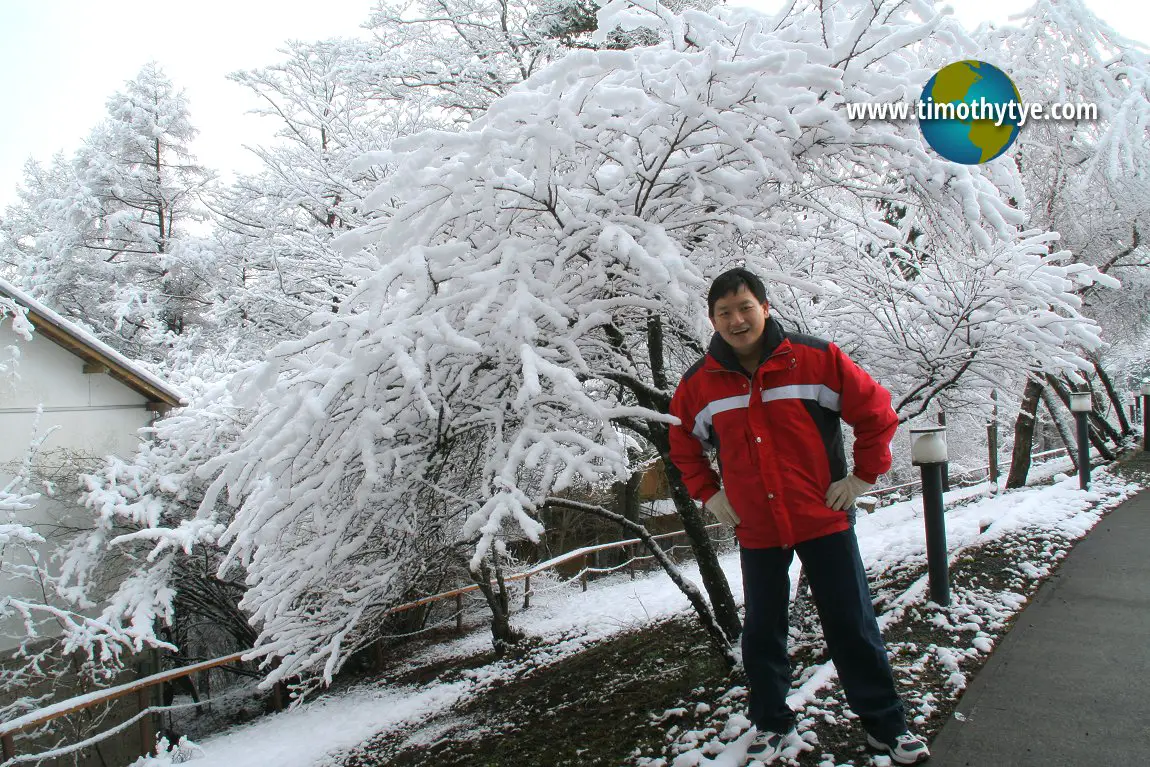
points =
(729, 282)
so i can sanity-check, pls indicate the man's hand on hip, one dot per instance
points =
(841, 495)
(718, 505)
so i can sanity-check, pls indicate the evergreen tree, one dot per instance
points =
(107, 237)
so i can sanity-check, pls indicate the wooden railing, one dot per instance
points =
(70, 706)
(56, 710)
(570, 556)
(982, 471)
(140, 686)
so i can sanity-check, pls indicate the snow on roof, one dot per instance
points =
(91, 349)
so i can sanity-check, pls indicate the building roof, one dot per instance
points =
(92, 350)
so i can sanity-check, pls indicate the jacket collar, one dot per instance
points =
(725, 355)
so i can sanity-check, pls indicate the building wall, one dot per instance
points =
(92, 415)
(97, 414)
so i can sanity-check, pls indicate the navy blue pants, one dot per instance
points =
(837, 578)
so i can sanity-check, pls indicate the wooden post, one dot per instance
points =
(945, 465)
(147, 735)
(630, 552)
(278, 695)
(583, 573)
(526, 591)
(206, 690)
(459, 613)
(9, 746)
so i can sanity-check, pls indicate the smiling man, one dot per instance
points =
(771, 404)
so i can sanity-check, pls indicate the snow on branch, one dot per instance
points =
(536, 286)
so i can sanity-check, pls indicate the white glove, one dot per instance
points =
(841, 495)
(718, 505)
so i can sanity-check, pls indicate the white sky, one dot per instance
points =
(62, 59)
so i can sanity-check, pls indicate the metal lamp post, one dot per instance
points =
(1145, 418)
(1081, 404)
(928, 452)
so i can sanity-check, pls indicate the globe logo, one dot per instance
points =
(969, 112)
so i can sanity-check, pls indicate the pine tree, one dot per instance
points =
(107, 237)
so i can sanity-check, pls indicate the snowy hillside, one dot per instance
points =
(565, 621)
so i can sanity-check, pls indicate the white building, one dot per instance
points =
(92, 399)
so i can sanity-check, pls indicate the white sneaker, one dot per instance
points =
(906, 748)
(767, 745)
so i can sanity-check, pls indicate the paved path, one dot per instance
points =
(1070, 684)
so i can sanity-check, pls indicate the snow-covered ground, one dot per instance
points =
(565, 620)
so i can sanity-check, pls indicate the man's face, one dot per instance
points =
(739, 320)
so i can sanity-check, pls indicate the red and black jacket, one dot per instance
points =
(778, 434)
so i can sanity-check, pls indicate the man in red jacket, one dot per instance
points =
(770, 404)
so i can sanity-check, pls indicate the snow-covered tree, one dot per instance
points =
(462, 55)
(106, 238)
(539, 284)
(23, 221)
(521, 295)
(172, 579)
(274, 228)
(18, 543)
(428, 65)
(1086, 179)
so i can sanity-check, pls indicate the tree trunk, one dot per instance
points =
(502, 635)
(1024, 434)
(1107, 384)
(631, 508)
(1096, 437)
(1100, 430)
(714, 579)
(627, 504)
(945, 464)
(722, 639)
(992, 440)
(1060, 424)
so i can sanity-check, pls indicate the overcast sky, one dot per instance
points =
(62, 59)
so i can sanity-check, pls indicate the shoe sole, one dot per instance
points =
(878, 745)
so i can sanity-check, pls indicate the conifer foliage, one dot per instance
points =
(105, 237)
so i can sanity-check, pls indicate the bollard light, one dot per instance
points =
(1081, 403)
(1146, 415)
(928, 452)
(928, 445)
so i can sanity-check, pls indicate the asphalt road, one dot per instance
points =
(1070, 684)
